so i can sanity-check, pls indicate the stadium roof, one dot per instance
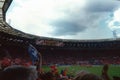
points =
(4, 27)
(4, 5)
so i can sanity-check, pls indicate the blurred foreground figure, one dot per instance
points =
(116, 78)
(18, 73)
(105, 75)
(84, 75)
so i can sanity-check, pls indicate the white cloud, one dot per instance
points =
(32, 15)
(116, 18)
(35, 17)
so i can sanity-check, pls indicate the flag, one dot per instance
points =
(33, 53)
(60, 44)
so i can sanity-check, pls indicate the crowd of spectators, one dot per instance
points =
(62, 60)
(18, 72)
(21, 68)
(6, 61)
(70, 60)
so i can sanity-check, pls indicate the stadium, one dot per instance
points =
(62, 52)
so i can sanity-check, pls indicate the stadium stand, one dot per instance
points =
(60, 48)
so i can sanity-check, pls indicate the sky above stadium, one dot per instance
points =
(66, 19)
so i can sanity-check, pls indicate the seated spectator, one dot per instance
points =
(18, 73)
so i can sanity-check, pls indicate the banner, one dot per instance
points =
(33, 53)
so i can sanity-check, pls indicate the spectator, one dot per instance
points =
(18, 73)
(64, 73)
(80, 74)
(5, 62)
(90, 76)
(84, 75)
(116, 78)
(105, 75)
(47, 76)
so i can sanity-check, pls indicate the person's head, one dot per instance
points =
(19, 73)
(116, 78)
(90, 76)
(84, 75)
(47, 76)
(105, 67)
(80, 74)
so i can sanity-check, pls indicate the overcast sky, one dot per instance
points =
(66, 19)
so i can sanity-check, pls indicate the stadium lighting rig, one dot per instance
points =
(114, 34)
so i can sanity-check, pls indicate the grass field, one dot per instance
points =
(114, 70)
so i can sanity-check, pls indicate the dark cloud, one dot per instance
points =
(102, 6)
(79, 20)
(76, 23)
(65, 27)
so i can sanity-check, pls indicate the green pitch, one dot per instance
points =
(114, 70)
